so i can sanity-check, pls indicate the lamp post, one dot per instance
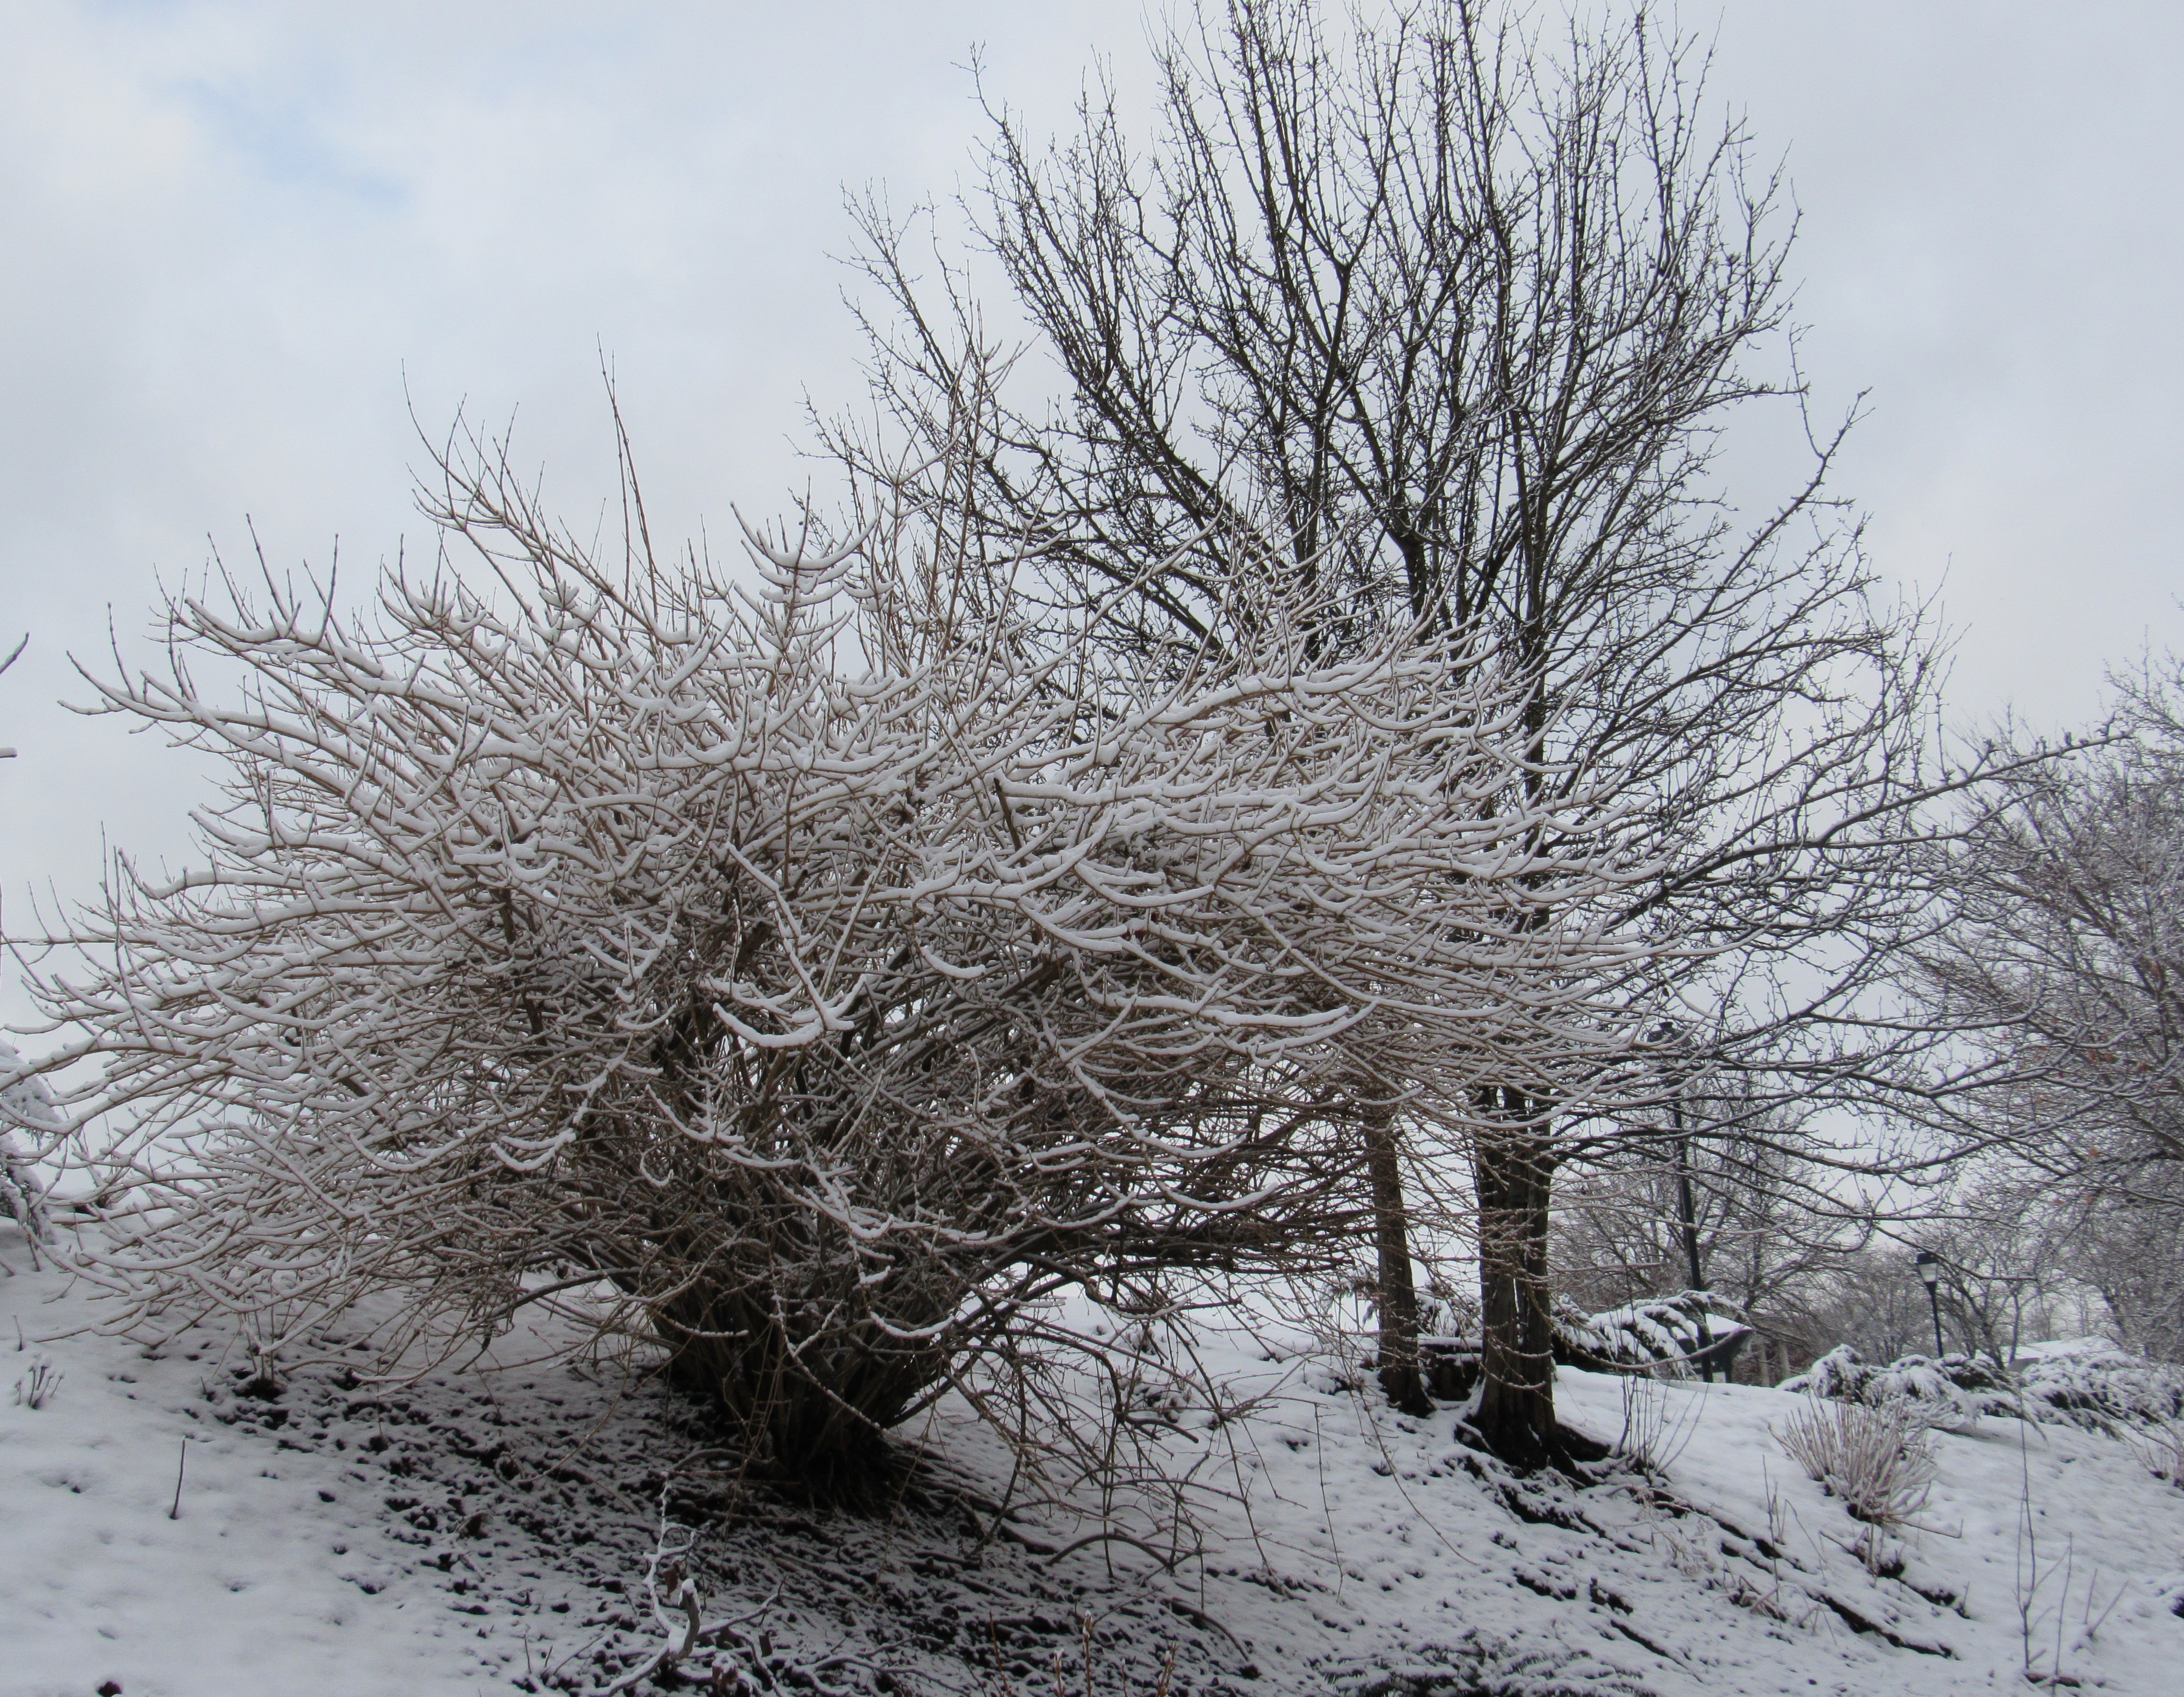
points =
(1929, 1270)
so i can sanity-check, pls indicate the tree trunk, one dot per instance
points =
(1516, 1415)
(1398, 1290)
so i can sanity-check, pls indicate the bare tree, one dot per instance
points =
(2129, 1250)
(27, 1106)
(2063, 975)
(814, 979)
(1461, 313)
(1874, 1302)
(1770, 1237)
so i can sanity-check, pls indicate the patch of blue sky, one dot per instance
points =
(135, 8)
(289, 147)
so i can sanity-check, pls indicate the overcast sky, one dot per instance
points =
(232, 231)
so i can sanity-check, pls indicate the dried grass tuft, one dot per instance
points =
(1877, 1461)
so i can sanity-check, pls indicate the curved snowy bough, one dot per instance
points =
(814, 977)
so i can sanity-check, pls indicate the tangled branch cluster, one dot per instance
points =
(817, 975)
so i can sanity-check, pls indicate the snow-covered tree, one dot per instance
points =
(1460, 310)
(812, 976)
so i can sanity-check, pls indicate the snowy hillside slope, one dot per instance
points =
(490, 1532)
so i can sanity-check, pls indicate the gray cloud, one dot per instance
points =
(233, 230)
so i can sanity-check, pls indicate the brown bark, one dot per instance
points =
(1516, 1415)
(1398, 1290)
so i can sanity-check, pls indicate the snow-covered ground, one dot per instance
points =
(488, 1531)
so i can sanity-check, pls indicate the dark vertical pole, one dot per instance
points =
(1934, 1302)
(1688, 1207)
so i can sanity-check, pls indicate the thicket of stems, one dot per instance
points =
(817, 975)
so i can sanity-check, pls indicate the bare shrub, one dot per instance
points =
(2159, 1447)
(1653, 1433)
(1877, 1461)
(816, 978)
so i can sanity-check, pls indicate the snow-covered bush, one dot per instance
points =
(1651, 1332)
(2092, 1383)
(2089, 1383)
(1951, 1392)
(1657, 1335)
(817, 978)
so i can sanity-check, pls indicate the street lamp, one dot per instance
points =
(1929, 1269)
